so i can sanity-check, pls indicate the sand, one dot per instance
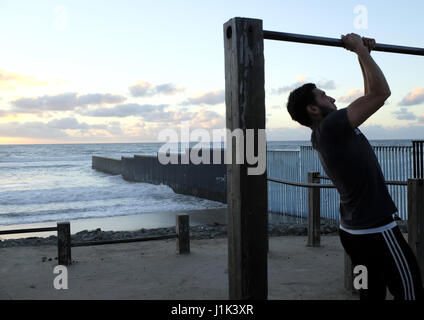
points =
(153, 270)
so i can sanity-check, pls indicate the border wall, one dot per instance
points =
(202, 180)
(107, 165)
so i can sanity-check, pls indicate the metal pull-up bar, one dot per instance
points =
(293, 37)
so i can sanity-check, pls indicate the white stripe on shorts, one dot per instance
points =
(399, 263)
(405, 262)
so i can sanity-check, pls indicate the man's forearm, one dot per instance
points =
(377, 84)
(365, 76)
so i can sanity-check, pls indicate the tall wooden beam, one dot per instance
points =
(416, 220)
(246, 194)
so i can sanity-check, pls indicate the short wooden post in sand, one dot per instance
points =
(314, 214)
(64, 243)
(183, 234)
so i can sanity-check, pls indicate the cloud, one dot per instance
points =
(208, 120)
(326, 85)
(67, 123)
(374, 132)
(141, 89)
(351, 96)
(38, 130)
(288, 88)
(9, 80)
(201, 119)
(61, 129)
(114, 128)
(157, 114)
(99, 98)
(301, 80)
(208, 98)
(168, 89)
(126, 110)
(4, 113)
(63, 102)
(413, 98)
(146, 89)
(147, 128)
(404, 114)
(171, 117)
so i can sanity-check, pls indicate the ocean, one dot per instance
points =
(50, 183)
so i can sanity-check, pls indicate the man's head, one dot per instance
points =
(308, 105)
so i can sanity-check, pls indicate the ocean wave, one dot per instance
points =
(116, 197)
(80, 193)
(108, 208)
(26, 166)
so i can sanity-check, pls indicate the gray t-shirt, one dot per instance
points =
(350, 162)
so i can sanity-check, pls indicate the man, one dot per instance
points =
(368, 232)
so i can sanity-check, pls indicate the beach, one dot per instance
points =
(154, 271)
(53, 183)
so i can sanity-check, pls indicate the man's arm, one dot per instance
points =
(364, 75)
(370, 44)
(377, 89)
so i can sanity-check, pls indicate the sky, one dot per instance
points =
(124, 71)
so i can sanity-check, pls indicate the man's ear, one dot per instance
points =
(312, 109)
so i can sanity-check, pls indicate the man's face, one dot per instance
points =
(324, 103)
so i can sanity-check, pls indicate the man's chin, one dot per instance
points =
(327, 112)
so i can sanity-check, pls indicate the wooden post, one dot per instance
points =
(64, 243)
(183, 234)
(416, 220)
(417, 156)
(314, 215)
(247, 196)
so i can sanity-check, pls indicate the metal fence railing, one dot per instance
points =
(396, 163)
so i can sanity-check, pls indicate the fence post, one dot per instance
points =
(183, 234)
(416, 220)
(314, 203)
(64, 243)
(417, 156)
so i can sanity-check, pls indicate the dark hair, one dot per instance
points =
(298, 100)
